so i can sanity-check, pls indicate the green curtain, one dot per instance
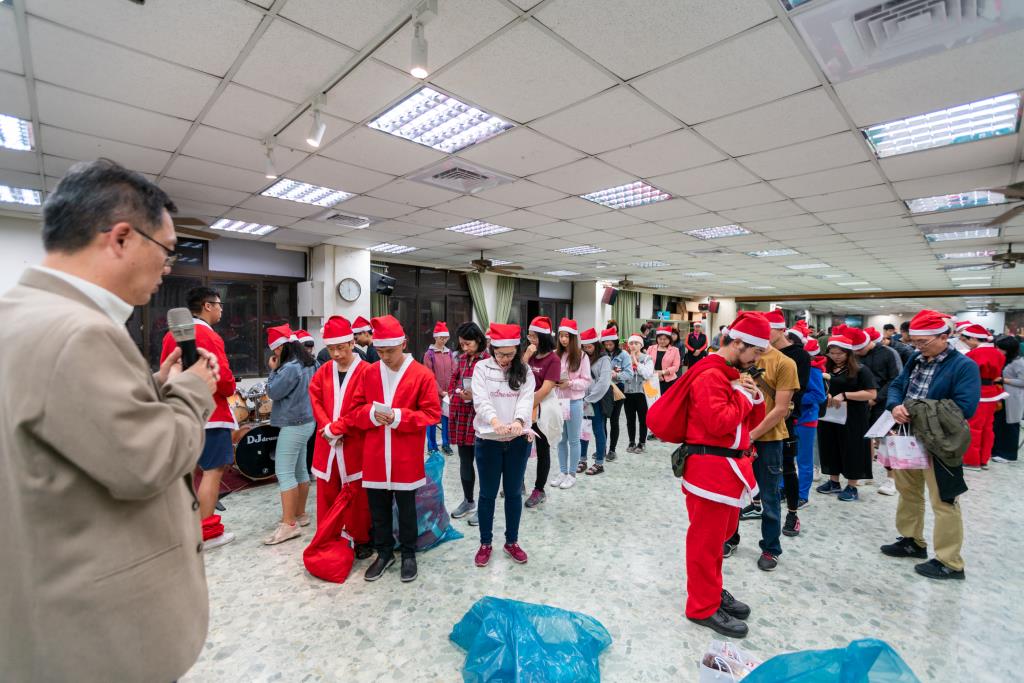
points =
(476, 292)
(624, 313)
(506, 290)
(378, 302)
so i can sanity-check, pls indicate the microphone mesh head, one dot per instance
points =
(181, 325)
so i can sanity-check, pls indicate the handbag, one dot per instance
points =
(902, 451)
(587, 430)
(617, 394)
(566, 410)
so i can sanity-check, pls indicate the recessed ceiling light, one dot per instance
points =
(696, 273)
(791, 4)
(20, 195)
(807, 266)
(228, 225)
(972, 277)
(851, 284)
(950, 232)
(867, 289)
(583, 250)
(762, 287)
(479, 229)
(733, 282)
(15, 133)
(952, 202)
(656, 285)
(649, 264)
(628, 196)
(986, 118)
(718, 232)
(304, 193)
(388, 248)
(562, 273)
(966, 254)
(972, 285)
(831, 276)
(767, 253)
(437, 120)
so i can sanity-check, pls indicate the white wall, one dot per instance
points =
(21, 245)
(987, 319)
(726, 314)
(256, 258)
(331, 264)
(880, 321)
(587, 308)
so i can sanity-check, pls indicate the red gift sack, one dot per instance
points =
(330, 555)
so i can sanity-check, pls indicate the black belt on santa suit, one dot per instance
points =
(714, 450)
(987, 382)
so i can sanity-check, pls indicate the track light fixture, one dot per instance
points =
(270, 171)
(317, 130)
(418, 67)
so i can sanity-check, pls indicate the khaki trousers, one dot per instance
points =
(948, 536)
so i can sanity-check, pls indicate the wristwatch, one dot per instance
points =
(521, 421)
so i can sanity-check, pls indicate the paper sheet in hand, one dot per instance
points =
(379, 407)
(882, 426)
(526, 432)
(835, 415)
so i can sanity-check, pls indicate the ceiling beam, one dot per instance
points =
(21, 26)
(914, 294)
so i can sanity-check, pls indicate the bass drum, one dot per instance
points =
(254, 451)
(239, 408)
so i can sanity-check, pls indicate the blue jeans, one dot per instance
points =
(498, 461)
(805, 458)
(290, 456)
(599, 437)
(768, 472)
(569, 445)
(432, 435)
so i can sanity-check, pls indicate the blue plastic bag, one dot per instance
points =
(868, 660)
(508, 640)
(433, 525)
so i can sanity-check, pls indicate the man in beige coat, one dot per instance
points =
(101, 574)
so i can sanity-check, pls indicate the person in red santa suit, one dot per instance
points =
(711, 410)
(990, 362)
(394, 403)
(338, 448)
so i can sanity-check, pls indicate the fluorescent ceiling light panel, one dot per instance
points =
(656, 286)
(581, 250)
(697, 273)
(16, 133)
(499, 262)
(649, 264)
(792, 4)
(228, 225)
(388, 248)
(479, 229)
(807, 266)
(951, 232)
(762, 287)
(972, 277)
(966, 254)
(733, 282)
(851, 284)
(986, 118)
(867, 289)
(831, 276)
(951, 202)
(718, 232)
(972, 285)
(562, 273)
(628, 196)
(437, 120)
(20, 195)
(768, 253)
(304, 193)
(974, 267)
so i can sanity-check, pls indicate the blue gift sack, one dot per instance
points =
(508, 640)
(433, 525)
(868, 660)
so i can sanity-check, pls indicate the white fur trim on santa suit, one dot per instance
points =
(337, 453)
(748, 492)
(389, 395)
(748, 338)
(992, 399)
(385, 343)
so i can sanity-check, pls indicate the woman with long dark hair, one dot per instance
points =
(1007, 421)
(503, 399)
(461, 412)
(842, 447)
(594, 400)
(642, 369)
(291, 368)
(572, 387)
(666, 358)
(547, 420)
(622, 372)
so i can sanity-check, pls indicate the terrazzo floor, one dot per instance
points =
(612, 547)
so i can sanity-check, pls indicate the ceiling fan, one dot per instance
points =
(484, 265)
(1013, 193)
(1006, 260)
(185, 225)
(626, 283)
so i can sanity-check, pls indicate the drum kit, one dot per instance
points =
(255, 440)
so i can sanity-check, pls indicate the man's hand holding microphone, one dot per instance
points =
(188, 357)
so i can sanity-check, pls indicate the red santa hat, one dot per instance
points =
(387, 331)
(570, 326)
(541, 325)
(873, 334)
(840, 340)
(961, 325)
(305, 337)
(636, 337)
(811, 347)
(361, 324)
(279, 336)
(337, 330)
(504, 335)
(858, 337)
(666, 330)
(589, 336)
(611, 334)
(441, 330)
(751, 327)
(928, 323)
(776, 319)
(977, 331)
(800, 331)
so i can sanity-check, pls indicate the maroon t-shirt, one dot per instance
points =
(548, 367)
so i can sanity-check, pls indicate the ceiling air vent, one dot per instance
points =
(852, 37)
(344, 220)
(714, 251)
(461, 176)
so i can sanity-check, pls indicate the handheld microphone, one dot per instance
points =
(183, 329)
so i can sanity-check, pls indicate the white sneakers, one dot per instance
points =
(817, 474)
(218, 541)
(888, 487)
(557, 481)
(568, 482)
(283, 532)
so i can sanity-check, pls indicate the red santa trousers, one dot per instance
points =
(711, 525)
(357, 516)
(982, 434)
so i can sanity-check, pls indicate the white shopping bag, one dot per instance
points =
(446, 404)
(652, 390)
(726, 663)
(903, 451)
(566, 408)
(835, 415)
(587, 432)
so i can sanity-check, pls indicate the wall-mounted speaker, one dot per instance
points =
(610, 295)
(382, 284)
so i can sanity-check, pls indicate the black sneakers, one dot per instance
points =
(933, 569)
(792, 525)
(751, 512)
(378, 567)
(734, 607)
(767, 562)
(728, 549)
(364, 551)
(904, 547)
(723, 623)
(408, 569)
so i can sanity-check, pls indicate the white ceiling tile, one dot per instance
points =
(201, 192)
(246, 112)
(400, 228)
(964, 181)
(583, 177)
(759, 66)
(964, 215)
(371, 206)
(410, 192)
(294, 238)
(382, 152)
(10, 47)
(521, 193)
(710, 178)
(676, 151)
(30, 181)
(14, 95)
(571, 207)
(71, 145)
(871, 224)
(846, 199)
(203, 34)
(367, 91)
(701, 220)
(806, 157)
(193, 208)
(324, 229)
(963, 157)
(350, 22)
(560, 229)
(513, 75)
(672, 208)
(66, 58)
(633, 36)
(738, 197)
(520, 151)
(519, 219)
(793, 119)
(280, 206)
(596, 125)
(434, 219)
(114, 121)
(880, 210)
(291, 62)
(789, 223)
(764, 211)
(606, 221)
(217, 145)
(832, 180)
(338, 175)
(259, 217)
(19, 160)
(471, 207)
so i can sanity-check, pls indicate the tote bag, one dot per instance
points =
(902, 451)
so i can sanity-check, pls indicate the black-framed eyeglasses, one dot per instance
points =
(216, 303)
(171, 257)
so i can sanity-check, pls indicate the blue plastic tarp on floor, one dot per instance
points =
(862, 661)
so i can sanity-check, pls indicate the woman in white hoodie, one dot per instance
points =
(503, 400)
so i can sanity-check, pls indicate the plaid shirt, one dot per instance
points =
(922, 375)
(461, 413)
